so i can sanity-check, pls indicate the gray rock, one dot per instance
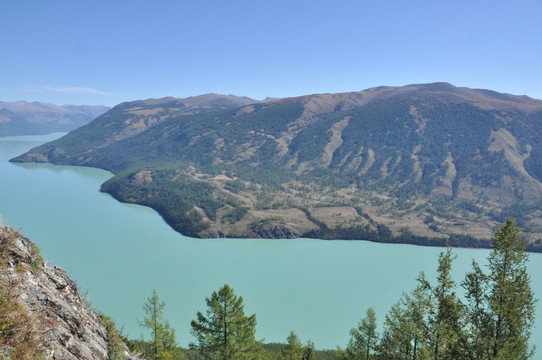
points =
(68, 328)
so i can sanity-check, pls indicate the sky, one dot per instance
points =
(107, 52)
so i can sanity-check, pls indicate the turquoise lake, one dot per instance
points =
(118, 253)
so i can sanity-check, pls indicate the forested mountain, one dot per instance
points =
(24, 118)
(418, 164)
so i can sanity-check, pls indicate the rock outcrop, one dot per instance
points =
(43, 302)
(277, 231)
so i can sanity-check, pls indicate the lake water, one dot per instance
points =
(118, 253)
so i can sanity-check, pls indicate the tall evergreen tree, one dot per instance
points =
(501, 303)
(445, 316)
(163, 345)
(225, 333)
(363, 340)
(309, 353)
(418, 305)
(405, 334)
(293, 350)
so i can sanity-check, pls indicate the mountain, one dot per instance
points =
(43, 316)
(424, 164)
(129, 119)
(23, 118)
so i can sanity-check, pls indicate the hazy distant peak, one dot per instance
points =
(24, 118)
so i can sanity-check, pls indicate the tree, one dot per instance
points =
(225, 333)
(405, 334)
(309, 353)
(428, 322)
(445, 313)
(363, 339)
(163, 345)
(501, 303)
(293, 350)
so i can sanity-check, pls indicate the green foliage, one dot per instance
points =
(235, 215)
(309, 144)
(384, 235)
(446, 335)
(37, 259)
(364, 339)
(406, 330)
(171, 194)
(115, 344)
(293, 350)
(163, 345)
(389, 130)
(432, 323)
(225, 332)
(501, 303)
(309, 352)
(272, 119)
(463, 130)
(235, 186)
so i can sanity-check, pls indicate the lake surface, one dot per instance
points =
(118, 253)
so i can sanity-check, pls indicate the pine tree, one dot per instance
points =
(225, 333)
(405, 334)
(445, 315)
(501, 303)
(293, 350)
(163, 343)
(364, 338)
(309, 353)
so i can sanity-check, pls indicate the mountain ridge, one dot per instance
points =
(35, 118)
(425, 160)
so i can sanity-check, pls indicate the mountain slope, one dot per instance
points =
(428, 160)
(43, 314)
(129, 119)
(23, 118)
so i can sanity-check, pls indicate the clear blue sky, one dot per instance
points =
(107, 52)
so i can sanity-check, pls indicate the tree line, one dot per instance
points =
(492, 322)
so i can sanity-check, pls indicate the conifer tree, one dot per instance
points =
(501, 303)
(445, 316)
(225, 332)
(163, 345)
(293, 350)
(405, 334)
(364, 338)
(309, 353)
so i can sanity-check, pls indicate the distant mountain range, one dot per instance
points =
(422, 164)
(24, 118)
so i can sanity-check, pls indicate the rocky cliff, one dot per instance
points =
(42, 313)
